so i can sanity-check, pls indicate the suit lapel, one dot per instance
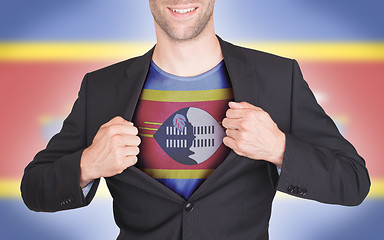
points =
(129, 88)
(243, 75)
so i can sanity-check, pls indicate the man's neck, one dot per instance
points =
(188, 58)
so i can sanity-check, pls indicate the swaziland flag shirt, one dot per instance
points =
(179, 122)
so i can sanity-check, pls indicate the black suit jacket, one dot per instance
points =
(235, 201)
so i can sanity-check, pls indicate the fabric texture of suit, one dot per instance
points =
(235, 201)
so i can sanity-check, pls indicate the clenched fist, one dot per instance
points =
(252, 133)
(113, 149)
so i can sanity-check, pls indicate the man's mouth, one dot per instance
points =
(183, 11)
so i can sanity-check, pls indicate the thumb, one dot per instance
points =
(241, 105)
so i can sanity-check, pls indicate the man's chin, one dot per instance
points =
(185, 36)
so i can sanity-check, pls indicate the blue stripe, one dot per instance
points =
(316, 221)
(279, 20)
(183, 187)
(216, 78)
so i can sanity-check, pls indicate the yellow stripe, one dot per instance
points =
(377, 189)
(179, 173)
(10, 188)
(145, 135)
(145, 128)
(186, 96)
(324, 51)
(153, 123)
(96, 51)
(71, 51)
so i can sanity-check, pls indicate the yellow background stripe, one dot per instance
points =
(377, 188)
(25, 51)
(10, 188)
(71, 51)
(178, 173)
(186, 96)
(336, 51)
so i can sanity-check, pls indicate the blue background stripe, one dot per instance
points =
(318, 221)
(130, 20)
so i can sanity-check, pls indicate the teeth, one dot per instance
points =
(182, 11)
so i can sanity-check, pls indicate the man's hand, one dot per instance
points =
(252, 133)
(113, 149)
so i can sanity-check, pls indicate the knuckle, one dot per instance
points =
(229, 142)
(227, 132)
(115, 139)
(112, 130)
(138, 140)
(228, 112)
(116, 154)
(133, 151)
(117, 165)
(137, 150)
(226, 142)
(128, 123)
(260, 109)
(253, 115)
(236, 145)
(120, 170)
(121, 164)
(243, 125)
(264, 116)
(103, 126)
(118, 119)
(132, 160)
(243, 135)
(249, 114)
(239, 153)
(135, 131)
(132, 141)
(224, 122)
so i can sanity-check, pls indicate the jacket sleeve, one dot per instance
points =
(319, 164)
(51, 182)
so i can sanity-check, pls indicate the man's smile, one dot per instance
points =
(182, 12)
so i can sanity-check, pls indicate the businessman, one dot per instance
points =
(194, 138)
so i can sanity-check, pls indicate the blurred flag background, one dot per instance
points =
(46, 47)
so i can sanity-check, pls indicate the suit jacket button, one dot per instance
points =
(189, 207)
(290, 189)
(302, 192)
